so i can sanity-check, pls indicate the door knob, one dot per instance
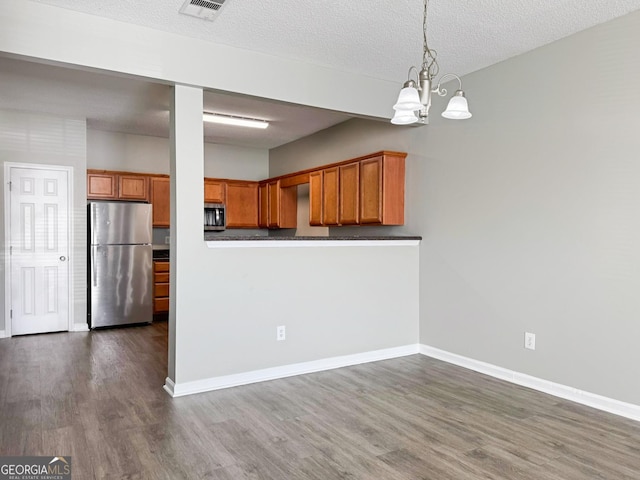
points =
(62, 258)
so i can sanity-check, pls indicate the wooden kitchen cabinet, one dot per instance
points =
(106, 185)
(160, 286)
(214, 190)
(382, 190)
(263, 205)
(315, 198)
(330, 195)
(133, 187)
(160, 196)
(349, 197)
(102, 185)
(278, 206)
(371, 190)
(242, 204)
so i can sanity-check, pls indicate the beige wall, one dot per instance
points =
(530, 211)
(140, 153)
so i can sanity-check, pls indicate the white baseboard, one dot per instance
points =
(80, 327)
(169, 386)
(226, 381)
(627, 410)
(3, 334)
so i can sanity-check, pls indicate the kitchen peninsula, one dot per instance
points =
(305, 241)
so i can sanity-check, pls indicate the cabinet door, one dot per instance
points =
(133, 187)
(283, 205)
(160, 287)
(371, 190)
(393, 190)
(102, 185)
(274, 204)
(349, 199)
(330, 206)
(242, 205)
(263, 207)
(315, 198)
(214, 191)
(161, 201)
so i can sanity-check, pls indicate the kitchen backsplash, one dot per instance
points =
(159, 235)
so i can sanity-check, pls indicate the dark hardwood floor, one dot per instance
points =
(98, 397)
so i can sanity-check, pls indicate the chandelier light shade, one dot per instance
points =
(415, 95)
(409, 99)
(404, 117)
(458, 108)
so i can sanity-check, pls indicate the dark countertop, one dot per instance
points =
(334, 238)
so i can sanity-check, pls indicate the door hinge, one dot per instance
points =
(10, 313)
(11, 250)
(9, 185)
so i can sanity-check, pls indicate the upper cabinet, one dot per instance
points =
(315, 198)
(368, 190)
(349, 199)
(101, 185)
(242, 204)
(106, 185)
(160, 194)
(133, 187)
(263, 205)
(278, 205)
(364, 191)
(214, 190)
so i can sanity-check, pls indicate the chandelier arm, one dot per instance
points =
(409, 73)
(443, 91)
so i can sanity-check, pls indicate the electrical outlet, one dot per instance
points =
(529, 341)
(281, 333)
(167, 240)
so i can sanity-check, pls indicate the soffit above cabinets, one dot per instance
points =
(119, 104)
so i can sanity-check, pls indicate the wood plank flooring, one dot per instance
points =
(98, 397)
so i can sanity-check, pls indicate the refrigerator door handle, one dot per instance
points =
(93, 266)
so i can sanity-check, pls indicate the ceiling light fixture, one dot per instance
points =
(415, 96)
(233, 120)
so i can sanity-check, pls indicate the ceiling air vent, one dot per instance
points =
(207, 9)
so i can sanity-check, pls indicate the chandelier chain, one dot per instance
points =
(429, 62)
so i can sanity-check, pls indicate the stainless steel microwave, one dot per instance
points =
(214, 217)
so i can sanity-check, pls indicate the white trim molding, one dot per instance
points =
(610, 405)
(80, 327)
(7, 235)
(310, 243)
(245, 378)
(3, 334)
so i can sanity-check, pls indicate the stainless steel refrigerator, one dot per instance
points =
(120, 264)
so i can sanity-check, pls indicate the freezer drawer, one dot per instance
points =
(121, 285)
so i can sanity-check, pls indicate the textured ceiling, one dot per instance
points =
(372, 37)
(379, 38)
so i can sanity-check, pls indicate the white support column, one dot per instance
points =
(187, 199)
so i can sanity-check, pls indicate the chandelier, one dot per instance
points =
(415, 95)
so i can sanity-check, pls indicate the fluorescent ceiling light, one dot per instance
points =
(233, 120)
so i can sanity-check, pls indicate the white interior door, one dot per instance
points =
(39, 250)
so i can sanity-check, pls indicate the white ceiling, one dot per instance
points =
(377, 38)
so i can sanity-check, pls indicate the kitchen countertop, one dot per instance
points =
(292, 238)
